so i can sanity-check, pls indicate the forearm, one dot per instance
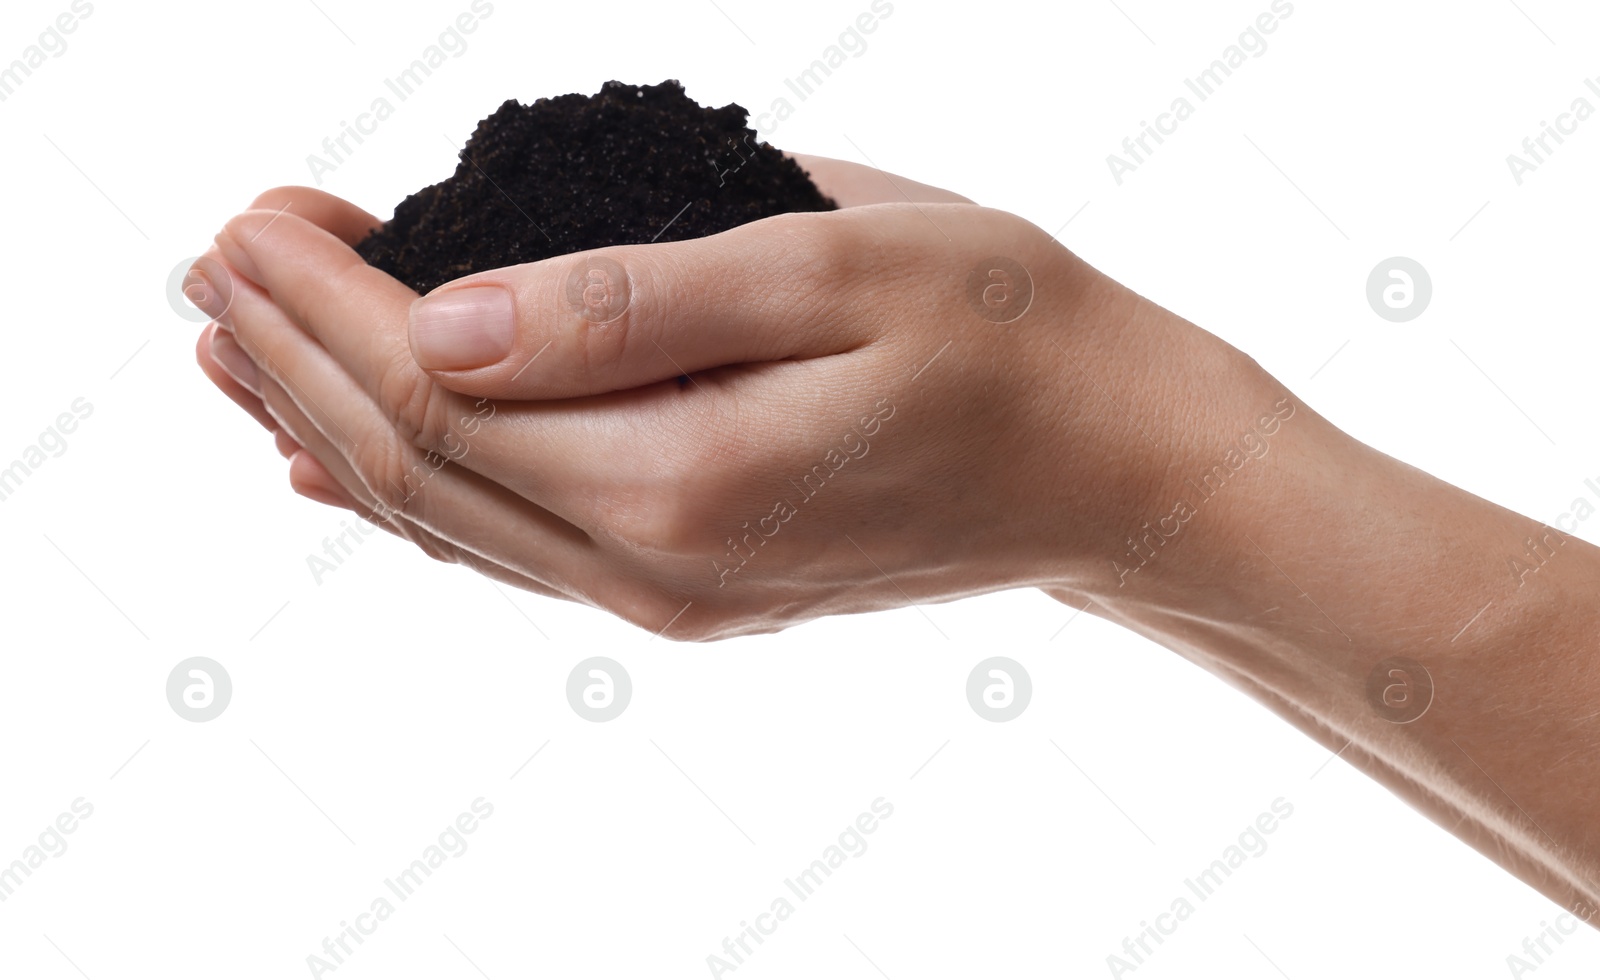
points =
(1295, 575)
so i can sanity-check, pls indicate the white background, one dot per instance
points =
(370, 710)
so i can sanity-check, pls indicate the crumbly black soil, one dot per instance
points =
(629, 165)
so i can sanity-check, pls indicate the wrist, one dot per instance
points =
(1306, 578)
(1190, 438)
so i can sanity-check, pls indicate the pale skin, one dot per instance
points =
(575, 464)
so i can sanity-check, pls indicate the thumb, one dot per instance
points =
(619, 318)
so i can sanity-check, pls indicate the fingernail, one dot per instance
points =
(235, 361)
(200, 288)
(462, 328)
(313, 487)
(320, 494)
(237, 256)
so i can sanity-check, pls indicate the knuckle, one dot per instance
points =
(605, 309)
(394, 474)
(434, 547)
(692, 628)
(658, 520)
(692, 501)
(822, 261)
(824, 248)
(418, 406)
(275, 197)
(709, 617)
(672, 523)
(602, 347)
(669, 615)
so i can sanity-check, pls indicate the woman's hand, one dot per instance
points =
(914, 401)
(810, 414)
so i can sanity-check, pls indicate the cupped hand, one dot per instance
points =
(810, 414)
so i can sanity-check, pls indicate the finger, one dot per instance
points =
(355, 312)
(213, 369)
(310, 479)
(577, 325)
(320, 289)
(622, 442)
(334, 215)
(452, 503)
(287, 446)
(321, 469)
(853, 184)
(598, 460)
(335, 484)
(249, 401)
(625, 317)
(226, 352)
(316, 289)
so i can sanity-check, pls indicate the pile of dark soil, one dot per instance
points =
(629, 165)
